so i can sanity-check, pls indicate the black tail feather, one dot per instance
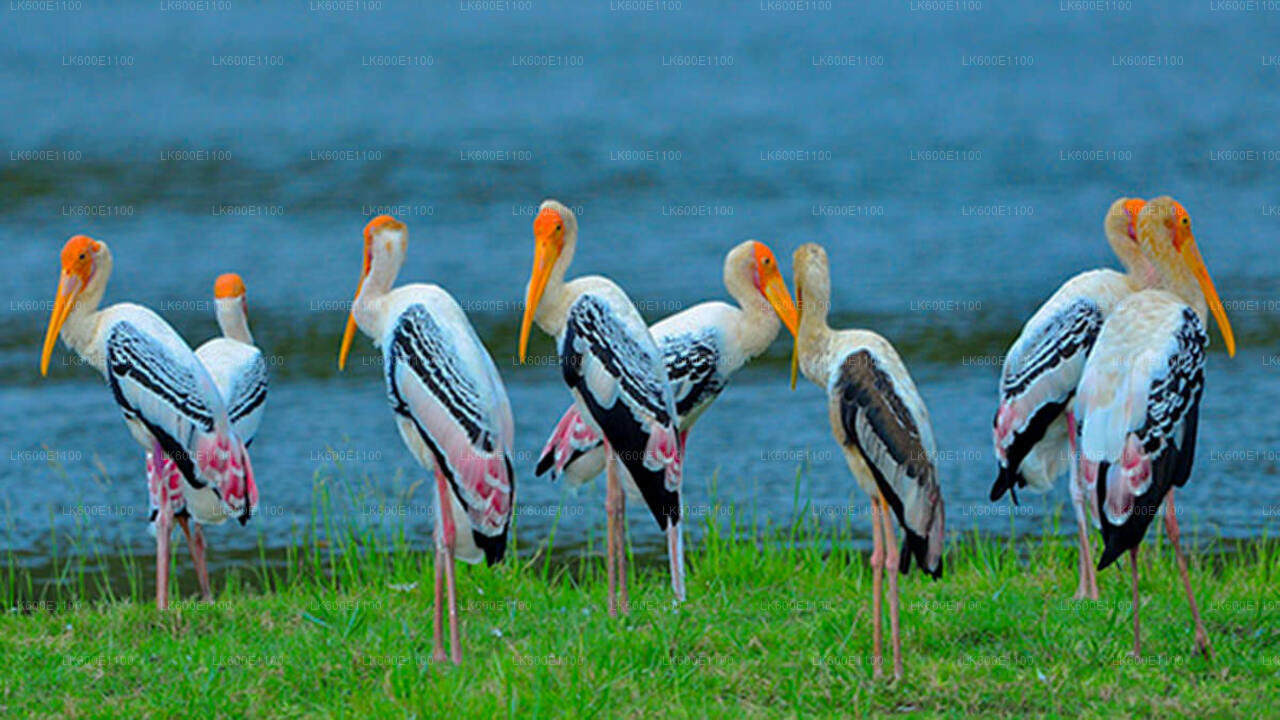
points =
(1172, 467)
(1007, 479)
(917, 546)
(545, 462)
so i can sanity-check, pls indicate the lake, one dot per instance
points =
(956, 160)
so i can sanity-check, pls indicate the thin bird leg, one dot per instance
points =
(437, 653)
(159, 488)
(675, 556)
(891, 570)
(877, 579)
(1137, 634)
(1087, 586)
(455, 644)
(1171, 526)
(624, 600)
(675, 538)
(611, 516)
(197, 545)
(448, 531)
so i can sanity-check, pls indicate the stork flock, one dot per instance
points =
(1103, 385)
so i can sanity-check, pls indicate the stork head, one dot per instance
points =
(82, 259)
(385, 239)
(554, 231)
(751, 267)
(1164, 234)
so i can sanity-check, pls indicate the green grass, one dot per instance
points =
(777, 624)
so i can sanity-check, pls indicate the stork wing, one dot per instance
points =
(692, 361)
(460, 415)
(1138, 412)
(248, 396)
(172, 396)
(1040, 376)
(873, 409)
(166, 388)
(613, 366)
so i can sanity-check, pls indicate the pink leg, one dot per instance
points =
(196, 543)
(891, 570)
(611, 516)
(449, 532)
(675, 556)
(437, 653)
(455, 643)
(877, 584)
(1137, 634)
(1087, 587)
(675, 540)
(1171, 526)
(164, 526)
(158, 487)
(624, 600)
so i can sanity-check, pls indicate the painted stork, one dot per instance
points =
(1138, 404)
(618, 380)
(196, 464)
(702, 347)
(1033, 445)
(450, 406)
(239, 371)
(882, 425)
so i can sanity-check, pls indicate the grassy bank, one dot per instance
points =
(776, 625)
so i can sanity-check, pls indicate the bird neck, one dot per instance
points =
(81, 327)
(1142, 274)
(233, 320)
(815, 338)
(366, 309)
(1178, 280)
(757, 325)
(553, 308)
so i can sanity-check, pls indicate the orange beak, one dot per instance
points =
(1191, 256)
(795, 348)
(774, 288)
(69, 286)
(546, 251)
(350, 333)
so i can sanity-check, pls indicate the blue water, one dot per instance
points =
(956, 165)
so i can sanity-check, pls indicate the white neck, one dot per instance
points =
(1177, 279)
(553, 308)
(81, 328)
(368, 305)
(233, 319)
(756, 327)
(816, 337)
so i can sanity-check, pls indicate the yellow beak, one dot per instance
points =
(795, 347)
(545, 254)
(69, 287)
(1191, 256)
(350, 333)
(775, 291)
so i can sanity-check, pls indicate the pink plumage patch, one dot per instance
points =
(164, 483)
(1126, 480)
(223, 461)
(1007, 420)
(572, 434)
(663, 452)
